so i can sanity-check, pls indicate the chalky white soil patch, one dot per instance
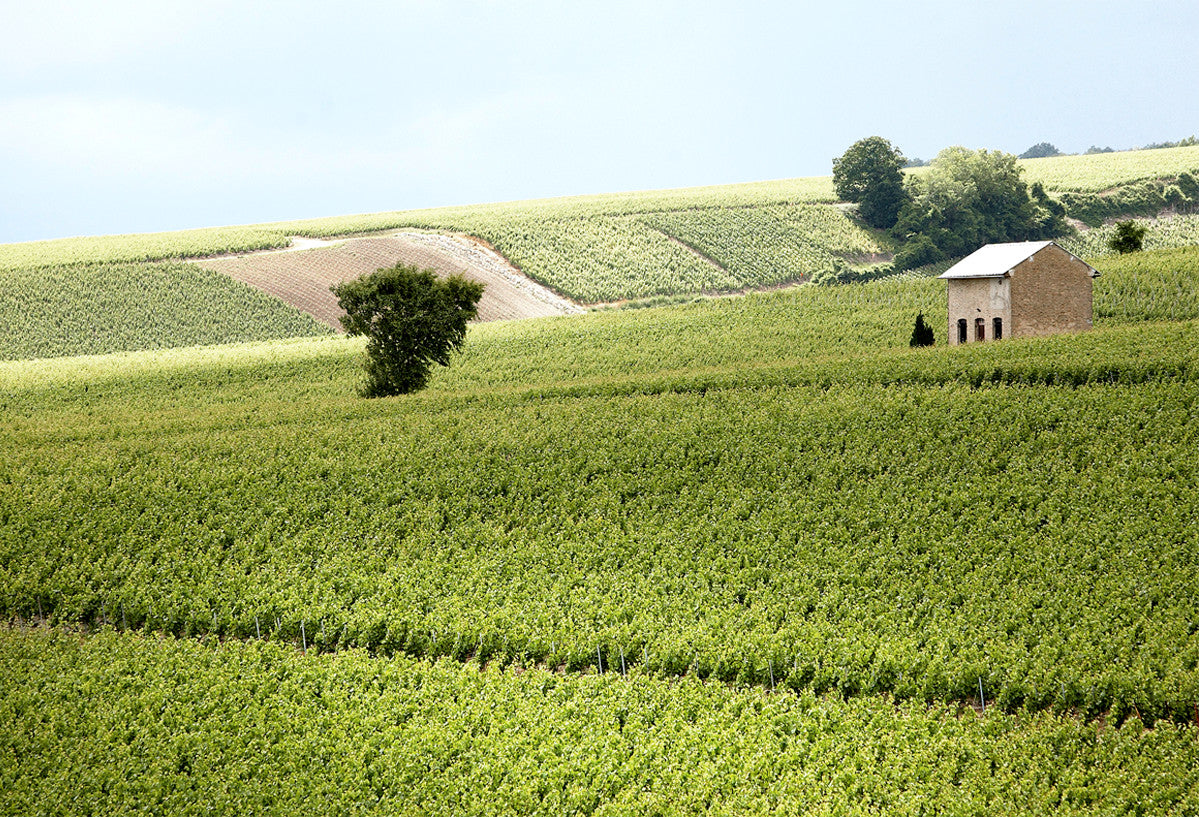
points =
(302, 274)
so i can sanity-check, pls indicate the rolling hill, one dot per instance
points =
(734, 555)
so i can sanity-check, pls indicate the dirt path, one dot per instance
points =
(302, 274)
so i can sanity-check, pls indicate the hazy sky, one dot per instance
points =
(124, 116)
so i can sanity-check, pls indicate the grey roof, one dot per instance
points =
(997, 260)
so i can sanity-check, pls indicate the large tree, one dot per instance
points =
(969, 198)
(411, 318)
(870, 173)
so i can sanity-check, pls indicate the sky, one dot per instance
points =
(126, 116)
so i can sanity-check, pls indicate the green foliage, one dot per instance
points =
(1167, 233)
(1040, 150)
(116, 724)
(411, 318)
(918, 251)
(1099, 172)
(577, 488)
(1143, 198)
(87, 309)
(1188, 186)
(922, 333)
(870, 174)
(1189, 141)
(1128, 237)
(971, 198)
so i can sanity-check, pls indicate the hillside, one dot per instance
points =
(761, 531)
(744, 555)
(663, 245)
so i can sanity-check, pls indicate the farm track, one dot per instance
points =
(302, 276)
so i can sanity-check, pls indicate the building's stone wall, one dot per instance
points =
(1051, 293)
(974, 298)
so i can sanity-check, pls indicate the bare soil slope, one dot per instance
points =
(302, 276)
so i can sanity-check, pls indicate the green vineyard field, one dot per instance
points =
(736, 555)
(102, 308)
(859, 524)
(117, 724)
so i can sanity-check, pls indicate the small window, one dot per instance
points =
(980, 329)
(961, 330)
(997, 328)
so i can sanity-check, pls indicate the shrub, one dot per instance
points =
(918, 252)
(1129, 237)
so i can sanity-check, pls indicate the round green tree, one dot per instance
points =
(870, 173)
(411, 319)
(1129, 237)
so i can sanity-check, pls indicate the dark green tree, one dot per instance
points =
(922, 333)
(969, 198)
(411, 319)
(1129, 237)
(1040, 150)
(870, 173)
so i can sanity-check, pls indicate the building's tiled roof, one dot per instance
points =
(997, 260)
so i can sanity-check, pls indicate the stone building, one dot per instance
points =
(1018, 290)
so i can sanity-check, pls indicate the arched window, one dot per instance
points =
(961, 330)
(980, 329)
(997, 328)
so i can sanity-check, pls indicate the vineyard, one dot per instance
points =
(101, 308)
(1095, 172)
(188, 727)
(735, 555)
(639, 247)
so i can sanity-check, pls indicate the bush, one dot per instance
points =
(918, 252)
(411, 318)
(970, 198)
(1129, 237)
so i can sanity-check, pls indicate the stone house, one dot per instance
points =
(1018, 290)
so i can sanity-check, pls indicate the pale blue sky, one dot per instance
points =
(130, 116)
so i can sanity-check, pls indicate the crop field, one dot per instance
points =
(123, 249)
(736, 555)
(752, 527)
(638, 245)
(1099, 171)
(250, 728)
(1163, 234)
(101, 308)
(599, 548)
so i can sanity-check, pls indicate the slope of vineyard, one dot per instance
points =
(118, 724)
(723, 490)
(87, 309)
(591, 249)
(739, 555)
